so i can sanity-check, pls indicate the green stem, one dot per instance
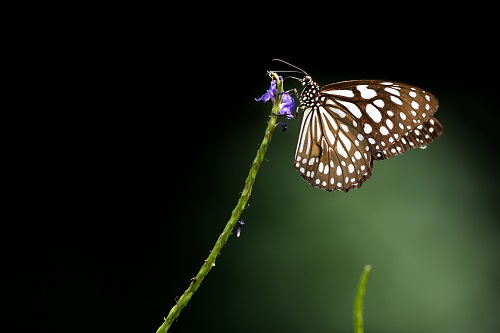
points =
(245, 195)
(358, 304)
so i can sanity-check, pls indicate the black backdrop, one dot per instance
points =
(141, 136)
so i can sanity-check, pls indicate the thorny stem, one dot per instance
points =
(245, 195)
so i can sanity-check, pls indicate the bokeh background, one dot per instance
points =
(121, 191)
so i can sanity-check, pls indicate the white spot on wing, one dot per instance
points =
(396, 100)
(341, 150)
(353, 108)
(374, 113)
(337, 111)
(365, 92)
(345, 93)
(367, 128)
(378, 102)
(392, 91)
(345, 141)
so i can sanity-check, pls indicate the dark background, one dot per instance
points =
(138, 139)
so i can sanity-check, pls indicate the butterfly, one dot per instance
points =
(347, 125)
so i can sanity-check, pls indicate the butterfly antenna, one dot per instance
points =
(288, 77)
(289, 64)
(293, 77)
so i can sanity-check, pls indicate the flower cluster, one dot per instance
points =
(287, 103)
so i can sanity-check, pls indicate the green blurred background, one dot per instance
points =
(121, 195)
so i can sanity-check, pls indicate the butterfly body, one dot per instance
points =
(347, 125)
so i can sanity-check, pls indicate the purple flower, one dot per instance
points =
(287, 103)
(270, 93)
(286, 106)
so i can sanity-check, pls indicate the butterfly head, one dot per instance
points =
(310, 92)
(306, 80)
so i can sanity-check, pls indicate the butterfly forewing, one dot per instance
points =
(346, 125)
